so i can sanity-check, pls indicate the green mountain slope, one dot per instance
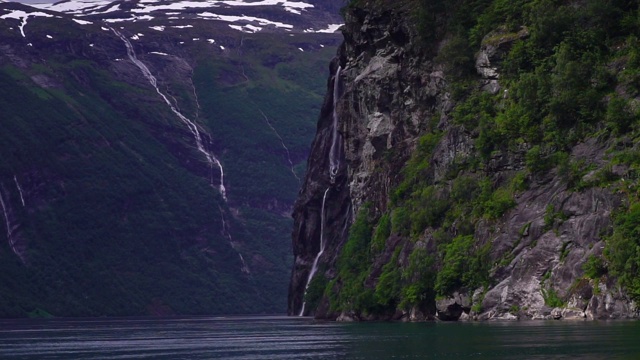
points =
(108, 206)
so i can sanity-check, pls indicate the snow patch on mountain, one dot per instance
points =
(330, 29)
(23, 16)
(231, 18)
(73, 6)
(248, 16)
(82, 22)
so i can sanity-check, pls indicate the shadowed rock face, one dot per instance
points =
(373, 119)
(394, 92)
(307, 212)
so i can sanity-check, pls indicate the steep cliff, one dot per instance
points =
(487, 167)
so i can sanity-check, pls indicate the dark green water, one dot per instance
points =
(303, 338)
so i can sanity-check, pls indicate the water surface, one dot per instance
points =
(304, 338)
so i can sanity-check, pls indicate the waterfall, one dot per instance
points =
(227, 234)
(15, 178)
(334, 151)
(10, 228)
(314, 267)
(195, 131)
(286, 149)
(192, 126)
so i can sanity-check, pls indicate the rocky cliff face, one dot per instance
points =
(421, 222)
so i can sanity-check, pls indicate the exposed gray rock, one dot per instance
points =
(347, 317)
(393, 92)
(494, 46)
(453, 308)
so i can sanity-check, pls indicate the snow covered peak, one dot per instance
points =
(241, 15)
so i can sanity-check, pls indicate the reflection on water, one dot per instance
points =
(303, 338)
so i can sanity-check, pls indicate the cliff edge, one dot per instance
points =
(474, 160)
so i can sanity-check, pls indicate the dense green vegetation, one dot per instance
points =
(106, 190)
(120, 217)
(570, 71)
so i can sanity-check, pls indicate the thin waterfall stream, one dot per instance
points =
(334, 151)
(191, 125)
(195, 131)
(334, 166)
(286, 149)
(227, 234)
(314, 267)
(15, 178)
(10, 228)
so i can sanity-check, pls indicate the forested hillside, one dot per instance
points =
(149, 166)
(490, 165)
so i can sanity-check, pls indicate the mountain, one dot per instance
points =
(152, 150)
(475, 159)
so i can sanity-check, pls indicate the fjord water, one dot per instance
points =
(304, 338)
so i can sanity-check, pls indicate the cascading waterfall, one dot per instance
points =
(334, 151)
(227, 233)
(334, 166)
(15, 178)
(10, 228)
(192, 126)
(195, 96)
(286, 149)
(195, 131)
(314, 267)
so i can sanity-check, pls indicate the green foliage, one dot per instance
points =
(353, 266)
(417, 167)
(464, 265)
(429, 18)
(464, 189)
(418, 279)
(315, 291)
(553, 217)
(355, 253)
(564, 251)
(594, 268)
(572, 172)
(551, 298)
(400, 221)
(381, 234)
(428, 207)
(499, 203)
(619, 116)
(569, 69)
(478, 111)
(536, 161)
(387, 294)
(623, 250)
(457, 57)
(519, 182)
